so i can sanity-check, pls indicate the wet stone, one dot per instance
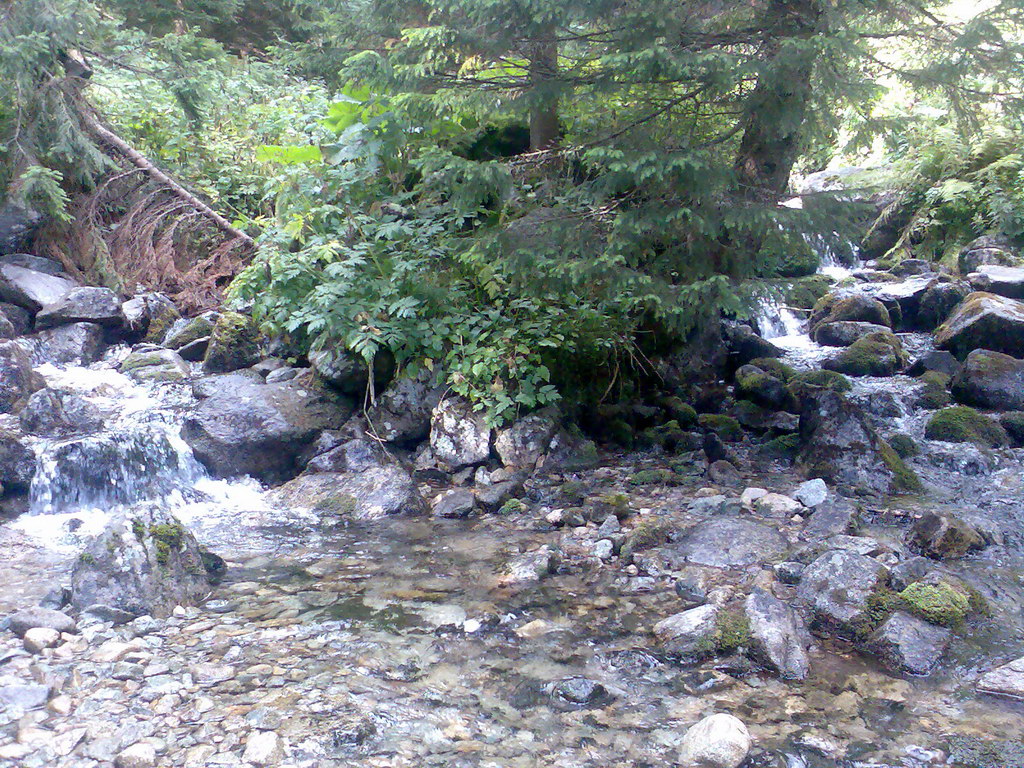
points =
(908, 644)
(728, 542)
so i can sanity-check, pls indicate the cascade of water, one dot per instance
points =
(776, 321)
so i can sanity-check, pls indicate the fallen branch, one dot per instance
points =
(136, 158)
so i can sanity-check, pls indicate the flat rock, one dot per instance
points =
(83, 305)
(1007, 680)
(31, 289)
(31, 618)
(728, 542)
(1000, 280)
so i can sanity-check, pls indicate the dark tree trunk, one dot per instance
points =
(777, 106)
(544, 127)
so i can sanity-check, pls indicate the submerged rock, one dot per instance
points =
(718, 741)
(728, 542)
(1007, 680)
(905, 643)
(144, 562)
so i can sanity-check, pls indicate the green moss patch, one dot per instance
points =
(904, 445)
(936, 390)
(877, 354)
(960, 424)
(726, 427)
(939, 603)
(904, 478)
(832, 380)
(774, 367)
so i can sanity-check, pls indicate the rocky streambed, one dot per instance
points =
(210, 558)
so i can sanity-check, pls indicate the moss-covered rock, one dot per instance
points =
(836, 307)
(960, 424)
(726, 427)
(1013, 424)
(161, 365)
(774, 367)
(621, 433)
(990, 380)
(904, 478)
(234, 344)
(935, 393)
(162, 316)
(732, 631)
(877, 354)
(830, 380)
(782, 447)
(806, 292)
(984, 321)
(937, 603)
(904, 445)
(762, 388)
(189, 331)
(653, 477)
(680, 412)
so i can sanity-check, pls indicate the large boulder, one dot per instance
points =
(990, 380)
(857, 307)
(234, 344)
(938, 302)
(17, 379)
(83, 305)
(369, 494)
(31, 289)
(876, 354)
(837, 587)
(36, 263)
(403, 410)
(523, 442)
(75, 344)
(905, 643)
(17, 463)
(987, 249)
(144, 562)
(745, 345)
(728, 542)
(1002, 281)
(18, 226)
(459, 436)
(718, 741)
(843, 333)
(984, 321)
(242, 426)
(762, 388)
(839, 446)
(777, 635)
(349, 373)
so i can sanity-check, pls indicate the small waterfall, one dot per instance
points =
(777, 321)
(144, 461)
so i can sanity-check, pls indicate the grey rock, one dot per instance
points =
(836, 516)
(17, 379)
(242, 426)
(34, 618)
(187, 330)
(990, 380)
(36, 263)
(492, 497)
(23, 697)
(984, 321)
(234, 343)
(789, 572)
(74, 344)
(349, 373)
(19, 318)
(149, 311)
(842, 333)
(459, 436)
(690, 632)
(837, 586)
(778, 637)
(351, 456)
(83, 305)
(18, 226)
(368, 495)
(935, 360)
(728, 542)
(52, 414)
(17, 463)
(108, 614)
(905, 643)
(144, 562)
(1002, 281)
(527, 439)
(403, 411)
(459, 502)
(938, 302)
(987, 249)
(31, 289)
(691, 591)
(812, 493)
(718, 741)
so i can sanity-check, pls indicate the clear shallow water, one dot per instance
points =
(407, 643)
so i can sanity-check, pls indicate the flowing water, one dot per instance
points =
(403, 642)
